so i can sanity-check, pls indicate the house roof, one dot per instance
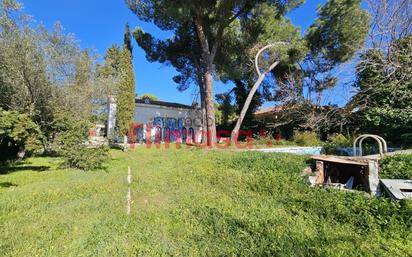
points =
(269, 110)
(161, 103)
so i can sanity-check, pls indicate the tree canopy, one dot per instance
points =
(17, 133)
(384, 101)
(46, 81)
(200, 26)
(151, 97)
(126, 93)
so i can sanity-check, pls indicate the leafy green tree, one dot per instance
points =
(338, 32)
(384, 101)
(226, 108)
(80, 93)
(334, 38)
(37, 68)
(125, 97)
(305, 62)
(151, 97)
(264, 27)
(203, 25)
(23, 69)
(109, 71)
(45, 76)
(81, 97)
(218, 115)
(112, 60)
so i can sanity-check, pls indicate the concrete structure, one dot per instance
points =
(111, 117)
(363, 171)
(398, 189)
(162, 121)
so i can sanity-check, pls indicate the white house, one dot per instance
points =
(160, 121)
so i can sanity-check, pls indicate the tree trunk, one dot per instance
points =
(203, 109)
(207, 68)
(235, 132)
(202, 92)
(21, 154)
(210, 110)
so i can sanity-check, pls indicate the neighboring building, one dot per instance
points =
(163, 121)
(284, 119)
(270, 113)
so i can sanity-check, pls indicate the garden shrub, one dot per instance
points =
(407, 139)
(84, 158)
(398, 166)
(306, 138)
(269, 140)
(337, 141)
(70, 145)
(18, 133)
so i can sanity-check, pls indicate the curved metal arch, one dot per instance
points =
(383, 147)
(360, 139)
(377, 140)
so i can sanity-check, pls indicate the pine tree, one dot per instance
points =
(110, 71)
(200, 27)
(125, 98)
(384, 100)
(111, 67)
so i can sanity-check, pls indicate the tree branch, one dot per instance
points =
(221, 30)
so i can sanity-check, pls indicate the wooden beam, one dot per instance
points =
(341, 159)
(320, 169)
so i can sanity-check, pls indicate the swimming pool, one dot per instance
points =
(293, 150)
(349, 151)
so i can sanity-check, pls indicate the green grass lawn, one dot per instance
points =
(192, 203)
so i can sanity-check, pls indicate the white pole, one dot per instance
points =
(129, 192)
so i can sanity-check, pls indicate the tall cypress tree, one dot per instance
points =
(128, 39)
(125, 98)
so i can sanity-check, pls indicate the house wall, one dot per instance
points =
(146, 113)
(164, 122)
(168, 122)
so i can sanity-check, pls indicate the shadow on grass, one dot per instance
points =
(7, 169)
(7, 184)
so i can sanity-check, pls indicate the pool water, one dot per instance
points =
(349, 151)
(312, 150)
(293, 150)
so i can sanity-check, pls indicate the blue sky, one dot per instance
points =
(98, 24)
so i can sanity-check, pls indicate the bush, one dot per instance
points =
(337, 141)
(306, 138)
(70, 146)
(18, 134)
(407, 139)
(397, 167)
(84, 158)
(269, 140)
